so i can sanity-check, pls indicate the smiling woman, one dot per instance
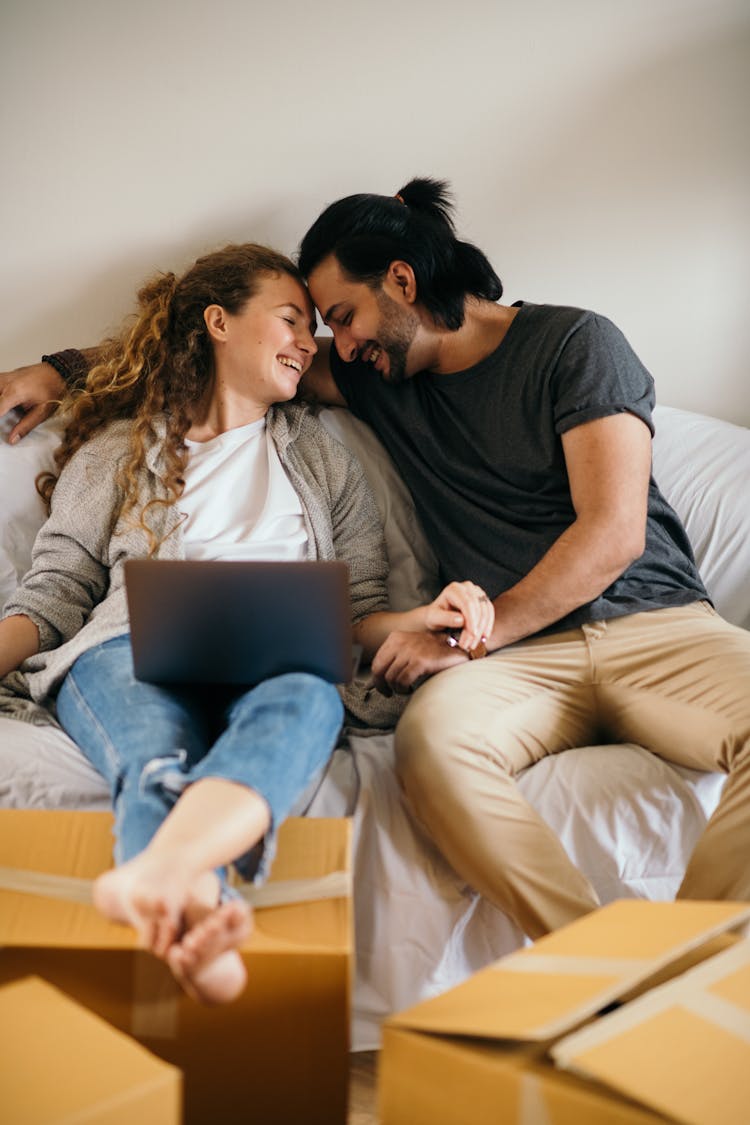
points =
(259, 354)
(203, 352)
(182, 444)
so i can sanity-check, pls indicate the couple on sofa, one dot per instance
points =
(524, 435)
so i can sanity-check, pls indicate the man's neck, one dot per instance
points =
(483, 330)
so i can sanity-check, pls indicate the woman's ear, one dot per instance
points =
(215, 318)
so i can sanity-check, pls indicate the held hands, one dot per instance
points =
(35, 389)
(464, 606)
(405, 658)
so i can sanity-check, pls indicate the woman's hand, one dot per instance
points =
(464, 606)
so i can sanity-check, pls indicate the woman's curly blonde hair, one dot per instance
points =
(161, 364)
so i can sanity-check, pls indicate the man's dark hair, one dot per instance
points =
(368, 232)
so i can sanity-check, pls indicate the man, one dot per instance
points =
(524, 435)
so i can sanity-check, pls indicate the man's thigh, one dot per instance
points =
(514, 707)
(676, 681)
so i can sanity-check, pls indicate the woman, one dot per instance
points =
(175, 449)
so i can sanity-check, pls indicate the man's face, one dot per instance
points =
(367, 323)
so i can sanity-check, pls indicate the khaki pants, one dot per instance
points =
(676, 681)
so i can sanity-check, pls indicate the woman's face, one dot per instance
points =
(268, 346)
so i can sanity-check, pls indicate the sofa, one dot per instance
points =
(627, 819)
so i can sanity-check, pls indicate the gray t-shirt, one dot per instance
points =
(481, 453)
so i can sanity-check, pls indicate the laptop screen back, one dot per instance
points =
(193, 621)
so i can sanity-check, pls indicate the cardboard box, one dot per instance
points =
(633, 1014)
(279, 1053)
(60, 1063)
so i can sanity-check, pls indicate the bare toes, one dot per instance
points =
(158, 929)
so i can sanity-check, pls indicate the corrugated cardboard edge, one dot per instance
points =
(631, 973)
(688, 991)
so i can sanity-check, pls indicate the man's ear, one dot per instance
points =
(215, 318)
(401, 280)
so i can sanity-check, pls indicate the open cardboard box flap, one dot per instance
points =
(695, 1028)
(285, 1038)
(75, 847)
(549, 988)
(680, 1048)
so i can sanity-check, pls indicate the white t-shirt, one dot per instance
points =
(239, 502)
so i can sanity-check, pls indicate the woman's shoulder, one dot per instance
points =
(294, 416)
(94, 464)
(109, 441)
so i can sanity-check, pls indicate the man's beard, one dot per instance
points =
(396, 331)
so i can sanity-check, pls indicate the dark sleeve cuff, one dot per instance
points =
(70, 365)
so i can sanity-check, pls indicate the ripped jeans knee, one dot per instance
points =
(167, 774)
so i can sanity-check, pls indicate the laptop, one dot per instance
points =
(209, 622)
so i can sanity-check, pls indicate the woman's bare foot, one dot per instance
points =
(181, 923)
(205, 960)
(152, 895)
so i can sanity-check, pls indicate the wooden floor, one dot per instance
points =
(362, 1078)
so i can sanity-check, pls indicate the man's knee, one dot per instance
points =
(414, 734)
(431, 735)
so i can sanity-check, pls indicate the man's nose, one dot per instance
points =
(345, 345)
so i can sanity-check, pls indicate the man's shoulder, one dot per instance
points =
(536, 316)
(555, 327)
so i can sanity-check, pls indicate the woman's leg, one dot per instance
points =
(277, 736)
(171, 892)
(142, 738)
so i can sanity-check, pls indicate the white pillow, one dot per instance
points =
(40, 767)
(21, 508)
(413, 574)
(702, 466)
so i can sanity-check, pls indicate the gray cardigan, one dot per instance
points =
(74, 592)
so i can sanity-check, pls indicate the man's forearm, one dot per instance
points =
(72, 364)
(577, 568)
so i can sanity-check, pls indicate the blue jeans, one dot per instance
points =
(150, 742)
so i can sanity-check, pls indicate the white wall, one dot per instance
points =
(598, 150)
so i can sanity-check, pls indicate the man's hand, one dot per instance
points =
(36, 390)
(403, 659)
